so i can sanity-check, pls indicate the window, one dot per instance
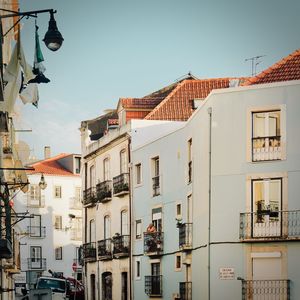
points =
(58, 222)
(178, 211)
(106, 175)
(77, 165)
(177, 261)
(124, 222)
(57, 191)
(92, 176)
(58, 253)
(106, 227)
(138, 173)
(77, 202)
(190, 161)
(76, 231)
(156, 177)
(35, 229)
(92, 231)
(138, 268)
(266, 135)
(138, 229)
(34, 196)
(157, 218)
(123, 162)
(35, 253)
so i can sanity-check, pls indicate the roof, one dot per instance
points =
(178, 105)
(51, 166)
(285, 70)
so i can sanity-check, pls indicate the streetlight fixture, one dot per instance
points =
(42, 183)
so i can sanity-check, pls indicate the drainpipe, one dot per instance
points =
(85, 232)
(209, 111)
(130, 220)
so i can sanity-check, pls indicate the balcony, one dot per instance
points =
(89, 251)
(265, 289)
(121, 185)
(121, 246)
(75, 203)
(89, 196)
(153, 243)
(36, 231)
(76, 234)
(266, 148)
(104, 191)
(185, 236)
(37, 264)
(6, 250)
(270, 225)
(36, 201)
(104, 249)
(153, 286)
(185, 290)
(156, 186)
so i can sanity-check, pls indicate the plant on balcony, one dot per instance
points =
(120, 188)
(7, 150)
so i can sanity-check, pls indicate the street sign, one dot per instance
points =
(74, 267)
(226, 274)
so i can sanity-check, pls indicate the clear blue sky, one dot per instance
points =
(129, 48)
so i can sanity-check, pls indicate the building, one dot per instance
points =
(52, 232)
(222, 192)
(106, 147)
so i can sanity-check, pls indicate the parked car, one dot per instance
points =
(76, 289)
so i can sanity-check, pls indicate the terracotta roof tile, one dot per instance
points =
(178, 105)
(286, 69)
(51, 167)
(140, 103)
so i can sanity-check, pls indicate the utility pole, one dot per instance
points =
(254, 62)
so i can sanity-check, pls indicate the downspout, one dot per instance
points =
(209, 111)
(85, 231)
(130, 221)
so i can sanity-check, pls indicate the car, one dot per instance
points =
(76, 289)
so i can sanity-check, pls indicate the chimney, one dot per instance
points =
(47, 152)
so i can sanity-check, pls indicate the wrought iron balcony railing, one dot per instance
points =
(36, 231)
(75, 203)
(36, 201)
(37, 263)
(104, 191)
(121, 246)
(190, 170)
(156, 186)
(185, 236)
(153, 243)
(104, 249)
(265, 289)
(89, 251)
(266, 148)
(185, 290)
(89, 196)
(268, 224)
(121, 184)
(153, 285)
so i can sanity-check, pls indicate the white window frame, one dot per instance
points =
(176, 256)
(138, 265)
(57, 192)
(138, 233)
(106, 169)
(138, 174)
(123, 162)
(58, 253)
(58, 225)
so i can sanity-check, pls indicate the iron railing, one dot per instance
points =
(104, 249)
(104, 191)
(190, 170)
(89, 251)
(37, 263)
(89, 196)
(36, 201)
(156, 185)
(266, 289)
(75, 203)
(36, 231)
(153, 285)
(121, 184)
(185, 235)
(269, 224)
(185, 290)
(121, 245)
(153, 243)
(266, 148)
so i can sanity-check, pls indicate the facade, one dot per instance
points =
(227, 222)
(51, 234)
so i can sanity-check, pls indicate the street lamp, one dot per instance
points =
(42, 183)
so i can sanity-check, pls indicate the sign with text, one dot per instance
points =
(226, 274)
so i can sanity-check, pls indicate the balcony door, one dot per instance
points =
(36, 257)
(155, 273)
(266, 207)
(35, 226)
(157, 218)
(124, 222)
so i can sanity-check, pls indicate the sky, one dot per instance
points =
(130, 48)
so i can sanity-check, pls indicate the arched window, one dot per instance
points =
(123, 162)
(106, 227)
(92, 231)
(106, 169)
(124, 222)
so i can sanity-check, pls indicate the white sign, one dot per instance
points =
(226, 274)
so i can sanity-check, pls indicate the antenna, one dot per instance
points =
(254, 63)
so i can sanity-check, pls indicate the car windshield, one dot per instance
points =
(55, 285)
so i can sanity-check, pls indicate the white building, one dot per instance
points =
(51, 237)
